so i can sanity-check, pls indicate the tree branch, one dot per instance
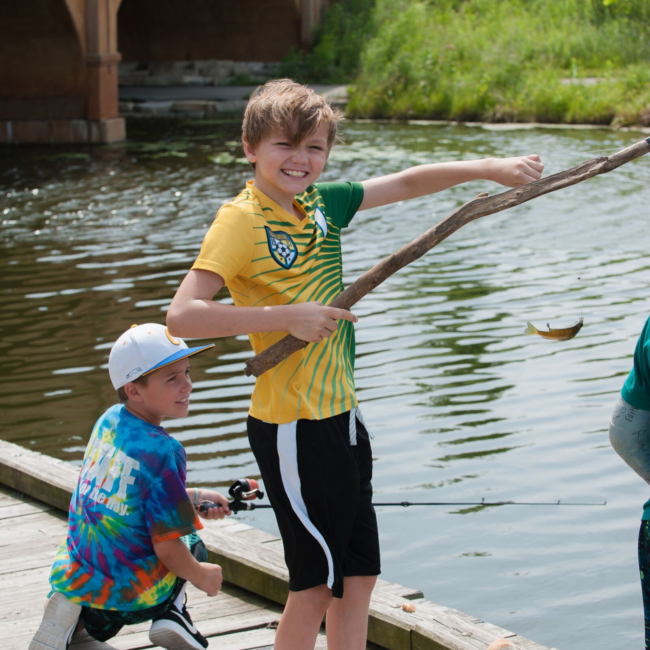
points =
(481, 206)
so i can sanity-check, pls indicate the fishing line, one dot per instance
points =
(245, 491)
(483, 502)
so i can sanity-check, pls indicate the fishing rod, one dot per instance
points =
(483, 502)
(244, 491)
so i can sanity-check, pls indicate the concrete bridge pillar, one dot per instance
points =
(59, 72)
(59, 58)
(311, 14)
(102, 61)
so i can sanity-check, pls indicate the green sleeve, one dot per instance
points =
(342, 200)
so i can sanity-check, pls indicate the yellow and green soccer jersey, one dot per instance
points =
(267, 257)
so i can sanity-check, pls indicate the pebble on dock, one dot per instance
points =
(408, 607)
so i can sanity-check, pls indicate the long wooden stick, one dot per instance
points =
(481, 206)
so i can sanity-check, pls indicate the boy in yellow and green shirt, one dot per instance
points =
(273, 258)
(277, 247)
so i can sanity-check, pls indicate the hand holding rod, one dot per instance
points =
(235, 506)
(481, 206)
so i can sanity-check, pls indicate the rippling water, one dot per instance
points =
(463, 406)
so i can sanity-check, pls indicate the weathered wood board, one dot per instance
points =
(241, 620)
(251, 560)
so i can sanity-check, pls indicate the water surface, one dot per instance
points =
(462, 404)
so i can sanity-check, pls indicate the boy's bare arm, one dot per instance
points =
(175, 555)
(221, 508)
(194, 314)
(428, 179)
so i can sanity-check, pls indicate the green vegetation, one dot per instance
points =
(335, 57)
(572, 61)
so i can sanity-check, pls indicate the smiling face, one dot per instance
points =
(284, 168)
(166, 394)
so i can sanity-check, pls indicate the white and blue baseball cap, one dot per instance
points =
(143, 349)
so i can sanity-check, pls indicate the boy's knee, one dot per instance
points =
(360, 584)
(317, 599)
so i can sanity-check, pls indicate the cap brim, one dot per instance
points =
(181, 354)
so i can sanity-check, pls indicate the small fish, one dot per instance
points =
(555, 335)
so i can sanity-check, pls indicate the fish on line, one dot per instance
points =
(563, 334)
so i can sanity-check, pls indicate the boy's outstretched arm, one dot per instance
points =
(194, 314)
(428, 179)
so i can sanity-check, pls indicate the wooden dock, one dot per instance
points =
(30, 533)
(35, 492)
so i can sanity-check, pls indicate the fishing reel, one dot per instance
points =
(245, 489)
(242, 492)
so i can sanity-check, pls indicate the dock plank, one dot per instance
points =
(29, 612)
(240, 620)
(253, 568)
(26, 582)
(38, 559)
(257, 536)
(47, 479)
(21, 509)
(9, 497)
(38, 525)
(24, 587)
(130, 638)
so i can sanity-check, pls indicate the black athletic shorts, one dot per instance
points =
(317, 474)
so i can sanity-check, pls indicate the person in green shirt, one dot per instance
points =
(629, 433)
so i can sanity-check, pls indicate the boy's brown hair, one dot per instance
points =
(292, 109)
(122, 397)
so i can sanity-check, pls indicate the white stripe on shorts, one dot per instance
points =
(288, 457)
(353, 426)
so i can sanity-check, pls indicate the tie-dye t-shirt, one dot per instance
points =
(130, 495)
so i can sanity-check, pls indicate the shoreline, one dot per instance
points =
(220, 102)
(224, 115)
(506, 126)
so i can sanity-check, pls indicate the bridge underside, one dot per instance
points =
(201, 30)
(59, 58)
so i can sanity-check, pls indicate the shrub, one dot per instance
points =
(512, 60)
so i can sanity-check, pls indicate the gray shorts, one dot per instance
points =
(629, 433)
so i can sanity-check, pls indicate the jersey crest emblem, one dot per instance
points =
(282, 248)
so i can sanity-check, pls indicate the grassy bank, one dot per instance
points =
(571, 61)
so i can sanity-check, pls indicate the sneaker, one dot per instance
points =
(58, 625)
(174, 630)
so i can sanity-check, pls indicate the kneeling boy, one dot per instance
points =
(132, 541)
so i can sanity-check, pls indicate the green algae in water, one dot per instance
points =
(225, 158)
(156, 147)
(166, 154)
